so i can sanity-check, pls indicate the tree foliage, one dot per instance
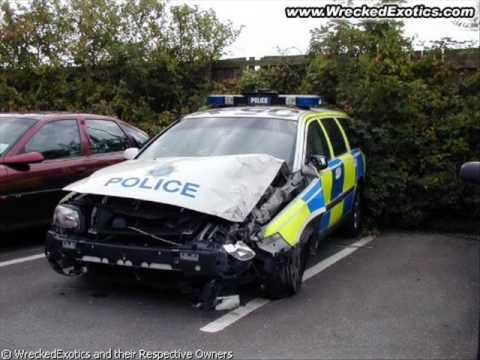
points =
(418, 120)
(140, 60)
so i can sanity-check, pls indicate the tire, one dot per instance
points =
(353, 224)
(286, 278)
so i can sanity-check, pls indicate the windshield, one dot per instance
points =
(11, 129)
(226, 136)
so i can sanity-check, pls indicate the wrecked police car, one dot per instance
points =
(240, 191)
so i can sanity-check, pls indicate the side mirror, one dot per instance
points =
(315, 164)
(470, 172)
(23, 159)
(319, 161)
(130, 153)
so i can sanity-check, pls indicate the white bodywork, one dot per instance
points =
(225, 186)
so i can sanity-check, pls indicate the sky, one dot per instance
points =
(266, 29)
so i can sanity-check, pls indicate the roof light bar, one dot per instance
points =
(303, 101)
(265, 99)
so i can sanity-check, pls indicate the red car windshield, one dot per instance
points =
(11, 130)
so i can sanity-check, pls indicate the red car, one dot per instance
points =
(43, 152)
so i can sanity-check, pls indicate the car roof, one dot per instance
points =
(53, 115)
(279, 112)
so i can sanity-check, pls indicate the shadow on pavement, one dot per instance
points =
(22, 239)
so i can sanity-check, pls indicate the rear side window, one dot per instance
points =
(316, 142)
(56, 140)
(106, 136)
(336, 136)
(138, 136)
(352, 134)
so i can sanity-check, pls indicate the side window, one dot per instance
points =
(335, 135)
(139, 136)
(352, 134)
(316, 142)
(57, 139)
(106, 136)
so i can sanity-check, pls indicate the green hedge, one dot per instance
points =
(140, 60)
(418, 119)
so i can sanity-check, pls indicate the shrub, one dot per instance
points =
(417, 119)
(138, 60)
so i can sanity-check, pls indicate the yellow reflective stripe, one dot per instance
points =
(336, 214)
(327, 114)
(327, 183)
(310, 117)
(291, 230)
(318, 118)
(349, 170)
(330, 146)
(270, 229)
(296, 211)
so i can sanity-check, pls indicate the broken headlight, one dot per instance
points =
(239, 251)
(67, 217)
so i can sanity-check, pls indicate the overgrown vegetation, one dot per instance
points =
(140, 60)
(418, 119)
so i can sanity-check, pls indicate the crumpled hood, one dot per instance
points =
(225, 186)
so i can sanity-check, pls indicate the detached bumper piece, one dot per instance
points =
(71, 255)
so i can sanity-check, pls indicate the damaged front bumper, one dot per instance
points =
(73, 254)
(98, 230)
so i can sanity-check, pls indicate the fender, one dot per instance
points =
(291, 222)
(326, 198)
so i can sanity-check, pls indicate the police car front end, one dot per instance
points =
(197, 201)
(114, 219)
(108, 231)
(201, 216)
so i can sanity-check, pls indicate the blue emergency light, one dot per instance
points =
(216, 100)
(265, 99)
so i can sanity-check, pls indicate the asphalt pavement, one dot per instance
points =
(399, 295)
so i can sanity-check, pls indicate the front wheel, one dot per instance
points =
(287, 273)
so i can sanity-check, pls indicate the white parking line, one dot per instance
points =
(21, 260)
(322, 265)
(242, 311)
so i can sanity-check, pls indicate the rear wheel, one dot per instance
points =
(353, 225)
(286, 277)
